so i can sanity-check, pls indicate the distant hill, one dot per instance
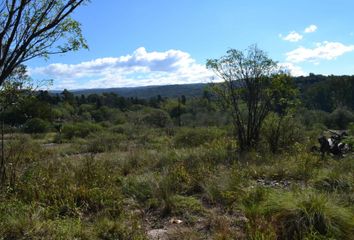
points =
(317, 91)
(170, 91)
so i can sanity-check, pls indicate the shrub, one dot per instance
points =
(140, 188)
(178, 178)
(21, 154)
(103, 142)
(225, 187)
(157, 118)
(331, 184)
(123, 228)
(335, 181)
(193, 137)
(36, 125)
(281, 133)
(350, 139)
(108, 114)
(300, 216)
(81, 130)
(340, 118)
(182, 205)
(309, 118)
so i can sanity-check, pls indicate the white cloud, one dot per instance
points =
(322, 51)
(293, 69)
(292, 37)
(310, 29)
(141, 68)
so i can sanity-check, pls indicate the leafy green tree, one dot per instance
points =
(285, 99)
(36, 125)
(157, 118)
(340, 118)
(68, 97)
(250, 89)
(36, 28)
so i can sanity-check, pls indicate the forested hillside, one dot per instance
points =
(318, 92)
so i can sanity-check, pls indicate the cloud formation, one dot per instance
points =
(293, 36)
(310, 29)
(141, 68)
(323, 51)
(293, 69)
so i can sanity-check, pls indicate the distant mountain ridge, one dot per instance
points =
(196, 90)
(170, 91)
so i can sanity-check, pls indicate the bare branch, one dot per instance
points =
(30, 28)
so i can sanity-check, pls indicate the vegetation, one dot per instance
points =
(103, 166)
(252, 87)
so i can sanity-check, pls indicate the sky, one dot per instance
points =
(157, 42)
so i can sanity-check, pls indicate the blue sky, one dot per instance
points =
(155, 42)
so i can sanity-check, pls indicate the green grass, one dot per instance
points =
(119, 184)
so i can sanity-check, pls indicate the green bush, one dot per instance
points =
(224, 186)
(281, 133)
(36, 125)
(309, 118)
(182, 205)
(309, 214)
(193, 137)
(140, 188)
(108, 114)
(340, 118)
(331, 184)
(99, 142)
(107, 229)
(81, 130)
(157, 118)
(22, 154)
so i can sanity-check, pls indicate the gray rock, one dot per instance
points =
(157, 234)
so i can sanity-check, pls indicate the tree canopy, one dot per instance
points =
(36, 28)
(253, 86)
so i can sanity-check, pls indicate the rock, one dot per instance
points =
(157, 234)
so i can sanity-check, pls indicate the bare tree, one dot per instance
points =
(247, 90)
(36, 28)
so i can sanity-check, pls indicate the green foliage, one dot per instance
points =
(36, 125)
(193, 137)
(112, 230)
(225, 187)
(312, 213)
(311, 118)
(350, 139)
(99, 142)
(123, 168)
(108, 114)
(80, 130)
(174, 107)
(333, 183)
(297, 166)
(281, 132)
(63, 111)
(328, 93)
(21, 154)
(340, 118)
(182, 205)
(252, 86)
(140, 188)
(156, 118)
